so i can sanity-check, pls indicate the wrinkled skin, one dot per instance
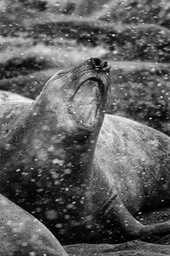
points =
(78, 172)
(22, 234)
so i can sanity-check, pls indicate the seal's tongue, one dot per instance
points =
(85, 102)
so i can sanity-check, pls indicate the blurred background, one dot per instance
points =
(40, 37)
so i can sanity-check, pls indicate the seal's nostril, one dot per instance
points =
(96, 63)
(99, 64)
(105, 64)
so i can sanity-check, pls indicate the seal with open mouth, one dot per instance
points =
(78, 172)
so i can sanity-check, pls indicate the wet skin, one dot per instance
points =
(76, 169)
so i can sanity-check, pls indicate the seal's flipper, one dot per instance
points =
(133, 227)
(128, 223)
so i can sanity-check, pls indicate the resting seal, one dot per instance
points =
(78, 172)
(22, 234)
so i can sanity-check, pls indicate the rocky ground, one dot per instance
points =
(38, 38)
(133, 248)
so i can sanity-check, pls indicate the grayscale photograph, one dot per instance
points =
(84, 127)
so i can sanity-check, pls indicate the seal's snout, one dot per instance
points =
(99, 64)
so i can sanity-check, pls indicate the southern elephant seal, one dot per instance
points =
(21, 234)
(78, 172)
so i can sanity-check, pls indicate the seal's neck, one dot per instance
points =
(56, 144)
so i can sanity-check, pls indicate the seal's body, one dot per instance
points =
(136, 163)
(11, 96)
(76, 171)
(22, 234)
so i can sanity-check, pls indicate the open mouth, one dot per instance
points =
(87, 102)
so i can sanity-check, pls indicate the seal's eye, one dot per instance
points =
(86, 102)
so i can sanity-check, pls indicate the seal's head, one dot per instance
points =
(88, 102)
(69, 113)
(79, 94)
